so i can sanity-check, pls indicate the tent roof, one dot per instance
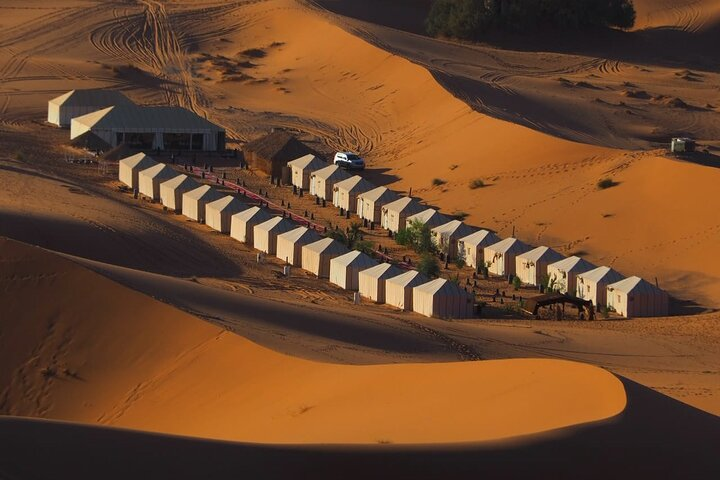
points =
(411, 278)
(426, 215)
(278, 145)
(634, 285)
(331, 171)
(224, 202)
(275, 222)
(507, 244)
(454, 227)
(541, 253)
(402, 203)
(572, 263)
(308, 161)
(179, 181)
(354, 258)
(138, 159)
(356, 182)
(480, 236)
(251, 213)
(298, 233)
(203, 191)
(91, 97)
(378, 193)
(156, 170)
(441, 285)
(598, 274)
(383, 270)
(326, 245)
(132, 117)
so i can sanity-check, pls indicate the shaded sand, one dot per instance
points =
(95, 352)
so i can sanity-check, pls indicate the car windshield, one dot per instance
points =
(352, 156)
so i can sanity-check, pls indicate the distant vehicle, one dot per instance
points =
(349, 160)
(682, 145)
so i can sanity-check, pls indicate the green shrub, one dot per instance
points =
(416, 236)
(436, 182)
(605, 183)
(429, 265)
(460, 259)
(477, 183)
(516, 282)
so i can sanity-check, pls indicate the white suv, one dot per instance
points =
(349, 160)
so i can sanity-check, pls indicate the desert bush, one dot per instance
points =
(416, 236)
(516, 282)
(429, 265)
(436, 182)
(460, 215)
(477, 183)
(19, 156)
(605, 183)
(460, 258)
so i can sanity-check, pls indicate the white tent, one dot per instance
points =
(194, 201)
(171, 191)
(430, 217)
(62, 109)
(302, 167)
(149, 180)
(563, 274)
(531, 267)
(372, 281)
(501, 255)
(345, 192)
(316, 256)
(265, 234)
(443, 299)
(130, 167)
(635, 297)
(473, 246)
(289, 244)
(370, 203)
(323, 180)
(445, 236)
(218, 214)
(394, 214)
(345, 269)
(242, 224)
(399, 290)
(592, 285)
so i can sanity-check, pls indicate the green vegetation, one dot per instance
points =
(460, 259)
(477, 183)
(469, 19)
(516, 282)
(353, 238)
(436, 182)
(605, 183)
(416, 236)
(429, 265)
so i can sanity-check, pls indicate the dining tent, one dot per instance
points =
(265, 234)
(218, 214)
(345, 269)
(301, 168)
(442, 298)
(345, 192)
(130, 167)
(531, 266)
(592, 285)
(242, 224)
(149, 180)
(635, 297)
(194, 201)
(446, 236)
(501, 255)
(323, 180)
(399, 289)
(171, 191)
(430, 217)
(370, 203)
(473, 247)
(562, 275)
(372, 281)
(289, 244)
(394, 214)
(316, 256)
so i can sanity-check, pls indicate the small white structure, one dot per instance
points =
(289, 244)
(129, 168)
(442, 298)
(562, 275)
(149, 180)
(323, 180)
(446, 236)
(265, 234)
(372, 281)
(242, 224)
(171, 191)
(62, 109)
(531, 267)
(500, 256)
(473, 247)
(301, 168)
(399, 290)
(370, 203)
(218, 214)
(194, 201)
(430, 217)
(394, 214)
(316, 256)
(592, 285)
(345, 269)
(345, 192)
(635, 297)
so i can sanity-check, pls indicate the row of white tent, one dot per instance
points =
(296, 245)
(630, 297)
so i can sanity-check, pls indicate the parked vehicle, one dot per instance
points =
(349, 160)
